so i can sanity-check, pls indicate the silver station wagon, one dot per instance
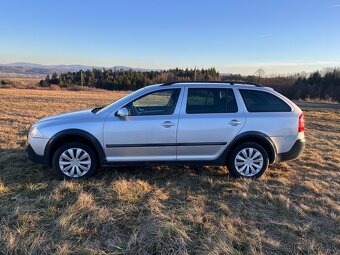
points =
(244, 126)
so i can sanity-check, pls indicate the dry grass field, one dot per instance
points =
(293, 209)
(20, 82)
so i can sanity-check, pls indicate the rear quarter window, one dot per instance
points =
(261, 101)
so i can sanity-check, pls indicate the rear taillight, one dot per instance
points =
(301, 127)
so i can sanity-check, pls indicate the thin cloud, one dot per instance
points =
(293, 63)
(333, 6)
(264, 35)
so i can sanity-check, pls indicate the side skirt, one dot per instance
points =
(220, 161)
(162, 163)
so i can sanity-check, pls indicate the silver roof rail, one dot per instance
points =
(226, 82)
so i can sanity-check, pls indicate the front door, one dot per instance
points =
(148, 132)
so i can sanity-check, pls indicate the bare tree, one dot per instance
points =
(260, 73)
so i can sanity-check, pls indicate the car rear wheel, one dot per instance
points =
(74, 161)
(249, 160)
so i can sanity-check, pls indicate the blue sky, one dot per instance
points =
(236, 36)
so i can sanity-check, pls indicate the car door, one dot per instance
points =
(209, 120)
(148, 133)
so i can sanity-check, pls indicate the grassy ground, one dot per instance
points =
(294, 208)
(19, 82)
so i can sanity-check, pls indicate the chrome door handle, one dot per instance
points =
(235, 122)
(168, 124)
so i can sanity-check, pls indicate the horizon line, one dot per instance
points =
(319, 66)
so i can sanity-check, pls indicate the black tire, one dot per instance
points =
(231, 160)
(59, 151)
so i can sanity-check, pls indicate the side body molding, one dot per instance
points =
(243, 137)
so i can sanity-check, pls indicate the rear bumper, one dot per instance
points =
(294, 152)
(35, 157)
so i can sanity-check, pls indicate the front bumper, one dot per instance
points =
(35, 157)
(294, 152)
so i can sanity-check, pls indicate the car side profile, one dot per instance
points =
(244, 126)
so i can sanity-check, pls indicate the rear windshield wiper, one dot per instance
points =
(95, 110)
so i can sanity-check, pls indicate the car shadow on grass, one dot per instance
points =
(15, 167)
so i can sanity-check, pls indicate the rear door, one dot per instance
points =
(209, 120)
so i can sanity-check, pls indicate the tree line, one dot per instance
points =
(323, 85)
(127, 79)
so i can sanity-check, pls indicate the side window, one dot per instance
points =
(161, 102)
(211, 100)
(260, 101)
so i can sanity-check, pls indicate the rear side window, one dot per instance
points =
(210, 100)
(260, 101)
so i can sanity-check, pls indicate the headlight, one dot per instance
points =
(34, 132)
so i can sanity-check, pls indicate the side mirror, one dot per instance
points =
(123, 112)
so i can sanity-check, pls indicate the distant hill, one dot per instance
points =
(38, 69)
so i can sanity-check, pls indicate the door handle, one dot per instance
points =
(235, 122)
(168, 124)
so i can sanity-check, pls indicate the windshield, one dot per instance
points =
(131, 95)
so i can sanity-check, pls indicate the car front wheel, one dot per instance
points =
(248, 160)
(74, 160)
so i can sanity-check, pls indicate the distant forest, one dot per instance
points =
(321, 85)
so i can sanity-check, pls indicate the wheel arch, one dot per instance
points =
(254, 136)
(74, 135)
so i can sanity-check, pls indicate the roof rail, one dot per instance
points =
(226, 82)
